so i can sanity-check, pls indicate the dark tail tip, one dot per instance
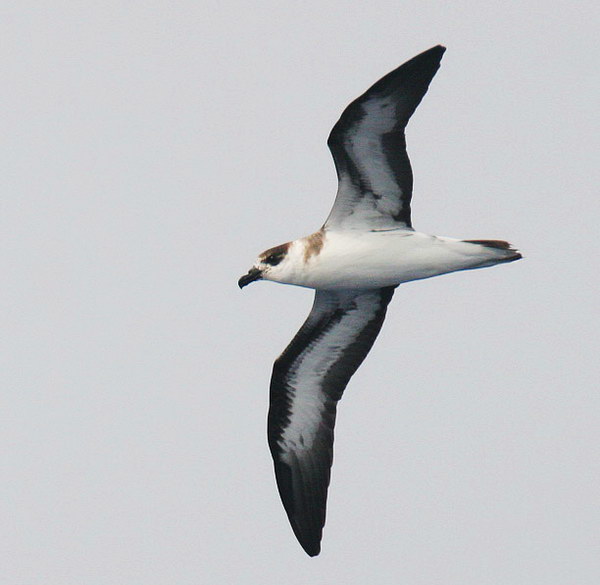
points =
(498, 244)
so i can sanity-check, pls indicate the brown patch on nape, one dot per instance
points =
(313, 244)
(498, 244)
(274, 256)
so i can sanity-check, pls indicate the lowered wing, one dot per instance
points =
(308, 380)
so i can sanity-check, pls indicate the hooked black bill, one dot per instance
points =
(253, 274)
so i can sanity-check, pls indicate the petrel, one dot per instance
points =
(365, 249)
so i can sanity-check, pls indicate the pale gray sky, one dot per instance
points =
(150, 151)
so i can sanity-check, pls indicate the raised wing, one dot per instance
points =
(369, 149)
(308, 380)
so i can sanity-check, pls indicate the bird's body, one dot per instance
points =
(365, 249)
(380, 258)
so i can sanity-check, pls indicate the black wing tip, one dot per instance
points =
(311, 543)
(312, 550)
(310, 540)
(437, 51)
(429, 59)
(307, 528)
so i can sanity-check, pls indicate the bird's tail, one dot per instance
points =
(509, 253)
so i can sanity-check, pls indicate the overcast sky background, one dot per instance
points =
(150, 151)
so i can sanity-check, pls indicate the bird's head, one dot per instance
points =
(270, 265)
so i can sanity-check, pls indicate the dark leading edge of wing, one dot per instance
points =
(369, 148)
(308, 380)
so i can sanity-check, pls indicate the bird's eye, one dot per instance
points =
(274, 259)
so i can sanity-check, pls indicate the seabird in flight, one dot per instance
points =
(365, 249)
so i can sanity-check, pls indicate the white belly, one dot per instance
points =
(377, 259)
